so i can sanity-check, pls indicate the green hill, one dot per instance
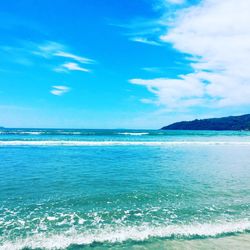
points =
(225, 123)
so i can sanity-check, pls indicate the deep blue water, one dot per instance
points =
(124, 189)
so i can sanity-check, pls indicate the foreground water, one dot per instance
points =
(124, 189)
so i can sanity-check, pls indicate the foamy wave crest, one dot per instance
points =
(133, 133)
(21, 132)
(139, 233)
(119, 143)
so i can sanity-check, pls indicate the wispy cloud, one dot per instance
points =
(59, 90)
(175, 1)
(172, 92)
(47, 49)
(52, 49)
(54, 54)
(216, 35)
(145, 40)
(70, 66)
(74, 57)
(142, 30)
(163, 70)
(152, 69)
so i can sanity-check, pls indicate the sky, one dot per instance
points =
(122, 64)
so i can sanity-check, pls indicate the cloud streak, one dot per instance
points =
(216, 36)
(176, 1)
(143, 30)
(74, 57)
(71, 66)
(145, 40)
(53, 53)
(51, 50)
(59, 90)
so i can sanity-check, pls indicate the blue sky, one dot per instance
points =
(118, 64)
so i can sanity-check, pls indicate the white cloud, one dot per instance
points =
(54, 50)
(141, 30)
(71, 66)
(74, 57)
(171, 92)
(152, 69)
(54, 53)
(216, 35)
(145, 40)
(50, 49)
(176, 1)
(47, 49)
(59, 90)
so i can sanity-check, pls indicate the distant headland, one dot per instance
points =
(225, 123)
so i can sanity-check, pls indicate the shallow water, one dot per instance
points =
(124, 189)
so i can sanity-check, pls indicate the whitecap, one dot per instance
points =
(122, 234)
(133, 133)
(120, 143)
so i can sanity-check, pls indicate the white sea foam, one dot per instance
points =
(117, 235)
(32, 133)
(120, 143)
(39, 133)
(21, 132)
(70, 133)
(133, 133)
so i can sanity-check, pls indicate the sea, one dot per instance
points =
(124, 189)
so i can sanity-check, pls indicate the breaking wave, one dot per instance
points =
(133, 133)
(119, 143)
(122, 234)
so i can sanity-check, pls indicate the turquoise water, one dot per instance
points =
(124, 189)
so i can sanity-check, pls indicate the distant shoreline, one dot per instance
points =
(230, 123)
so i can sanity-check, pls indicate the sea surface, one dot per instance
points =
(124, 189)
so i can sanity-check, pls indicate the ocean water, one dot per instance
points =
(124, 189)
